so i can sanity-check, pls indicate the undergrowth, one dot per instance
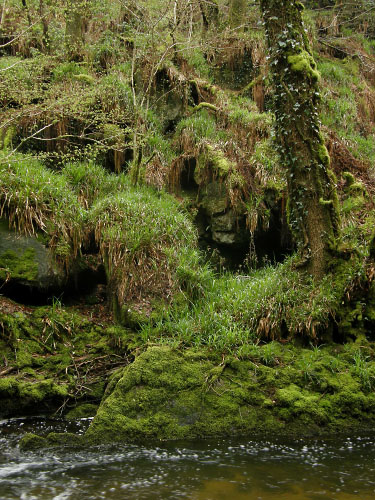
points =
(38, 200)
(273, 303)
(140, 234)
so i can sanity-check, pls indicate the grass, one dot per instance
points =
(195, 128)
(243, 112)
(195, 58)
(141, 234)
(270, 303)
(38, 200)
(90, 181)
(147, 242)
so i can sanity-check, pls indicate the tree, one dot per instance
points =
(237, 12)
(312, 199)
(74, 31)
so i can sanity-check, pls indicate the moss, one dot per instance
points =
(7, 137)
(325, 202)
(19, 266)
(32, 442)
(214, 160)
(83, 78)
(205, 105)
(323, 155)
(349, 178)
(85, 410)
(303, 62)
(167, 394)
(17, 395)
(68, 439)
(246, 90)
(313, 388)
(51, 349)
(304, 405)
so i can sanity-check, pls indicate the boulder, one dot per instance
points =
(26, 261)
(167, 394)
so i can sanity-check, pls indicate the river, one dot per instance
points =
(339, 468)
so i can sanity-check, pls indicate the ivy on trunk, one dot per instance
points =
(313, 213)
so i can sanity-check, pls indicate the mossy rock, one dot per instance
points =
(32, 442)
(85, 410)
(26, 260)
(17, 396)
(166, 394)
(169, 394)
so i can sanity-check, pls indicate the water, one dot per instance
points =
(340, 468)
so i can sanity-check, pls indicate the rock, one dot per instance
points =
(85, 410)
(17, 396)
(225, 222)
(32, 442)
(166, 394)
(26, 261)
(228, 229)
(214, 198)
(224, 238)
(169, 394)
(221, 226)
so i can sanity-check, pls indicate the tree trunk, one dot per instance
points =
(312, 199)
(74, 28)
(210, 13)
(237, 13)
(44, 21)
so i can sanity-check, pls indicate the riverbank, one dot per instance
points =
(137, 391)
(155, 263)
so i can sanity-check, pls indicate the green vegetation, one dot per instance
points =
(169, 394)
(141, 237)
(272, 303)
(172, 193)
(36, 199)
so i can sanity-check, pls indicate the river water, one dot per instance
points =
(339, 468)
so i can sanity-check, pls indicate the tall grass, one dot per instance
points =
(91, 182)
(36, 199)
(271, 303)
(140, 234)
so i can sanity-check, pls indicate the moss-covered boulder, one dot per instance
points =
(167, 394)
(25, 260)
(170, 394)
(18, 396)
(33, 442)
(85, 410)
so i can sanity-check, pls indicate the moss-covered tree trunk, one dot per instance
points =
(312, 199)
(74, 28)
(237, 13)
(210, 13)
